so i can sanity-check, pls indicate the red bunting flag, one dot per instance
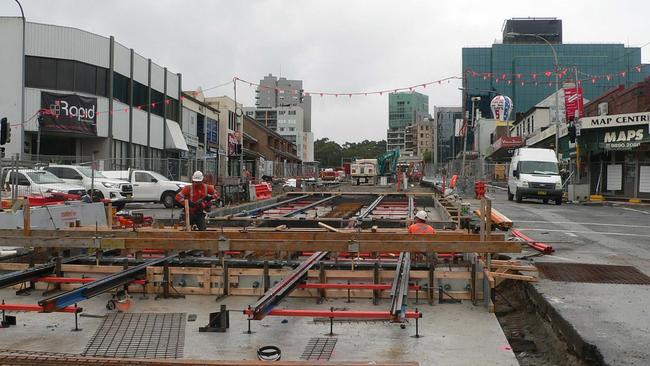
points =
(503, 76)
(534, 76)
(509, 82)
(518, 76)
(609, 77)
(548, 74)
(638, 68)
(522, 83)
(593, 80)
(623, 73)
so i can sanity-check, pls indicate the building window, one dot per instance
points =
(121, 87)
(231, 121)
(158, 98)
(292, 113)
(140, 96)
(59, 74)
(171, 109)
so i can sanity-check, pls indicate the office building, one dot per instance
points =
(404, 109)
(86, 97)
(282, 105)
(523, 66)
(447, 145)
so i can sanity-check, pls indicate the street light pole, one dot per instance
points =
(21, 148)
(557, 86)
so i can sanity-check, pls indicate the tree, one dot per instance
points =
(329, 153)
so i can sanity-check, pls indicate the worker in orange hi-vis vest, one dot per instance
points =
(200, 197)
(420, 226)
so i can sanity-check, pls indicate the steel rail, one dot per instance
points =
(29, 274)
(100, 286)
(283, 288)
(267, 207)
(372, 206)
(400, 288)
(314, 204)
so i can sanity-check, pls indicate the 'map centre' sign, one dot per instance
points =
(615, 120)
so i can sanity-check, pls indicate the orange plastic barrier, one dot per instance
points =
(263, 191)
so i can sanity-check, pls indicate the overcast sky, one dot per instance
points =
(332, 45)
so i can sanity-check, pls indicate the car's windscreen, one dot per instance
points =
(538, 167)
(44, 177)
(89, 172)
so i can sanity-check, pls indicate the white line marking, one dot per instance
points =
(579, 223)
(571, 234)
(586, 232)
(635, 210)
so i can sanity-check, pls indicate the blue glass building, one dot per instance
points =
(524, 72)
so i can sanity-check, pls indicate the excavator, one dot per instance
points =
(387, 163)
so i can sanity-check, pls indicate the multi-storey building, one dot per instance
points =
(404, 109)
(95, 100)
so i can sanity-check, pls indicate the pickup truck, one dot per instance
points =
(118, 191)
(38, 182)
(149, 186)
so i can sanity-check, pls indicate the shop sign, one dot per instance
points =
(615, 120)
(191, 140)
(68, 113)
(623, 139)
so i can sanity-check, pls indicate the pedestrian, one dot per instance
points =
(200, 197)
(420, 225)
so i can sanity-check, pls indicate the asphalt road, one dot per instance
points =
(615, 318)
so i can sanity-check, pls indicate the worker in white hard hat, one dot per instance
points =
(200, 197)
(420, 225)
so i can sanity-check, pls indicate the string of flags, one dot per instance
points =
(349, 94)
(548, 76)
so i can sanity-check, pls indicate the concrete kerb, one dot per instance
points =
(562, 327)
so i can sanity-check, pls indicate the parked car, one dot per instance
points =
(534, 173)
(117, 190)
(149, 186)
(30, 181)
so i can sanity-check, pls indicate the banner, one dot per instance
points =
(574, 102)
(68, 113)
(232, 143)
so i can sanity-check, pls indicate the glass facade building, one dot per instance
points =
(520, 71)
(404, 109)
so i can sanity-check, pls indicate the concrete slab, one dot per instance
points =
(453, 334)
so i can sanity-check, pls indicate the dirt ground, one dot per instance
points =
(532, 338)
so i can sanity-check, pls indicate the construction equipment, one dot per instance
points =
(387, 163)
(365, 169)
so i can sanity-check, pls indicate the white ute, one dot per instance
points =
(149, 186)
(118, 191)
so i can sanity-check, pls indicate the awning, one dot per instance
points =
(504, 147)
(175, 139)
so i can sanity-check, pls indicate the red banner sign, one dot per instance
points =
(574, 102)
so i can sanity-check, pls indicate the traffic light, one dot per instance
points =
(572, 132)
(5, 131)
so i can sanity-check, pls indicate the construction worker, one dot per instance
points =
(200, 197)
(420, 226)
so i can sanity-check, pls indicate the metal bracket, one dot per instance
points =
(223, 244)
(353, 246)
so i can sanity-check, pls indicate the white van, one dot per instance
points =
(534, 173)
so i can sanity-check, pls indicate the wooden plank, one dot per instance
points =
(514, 276)
(516, 267)
(329, 228)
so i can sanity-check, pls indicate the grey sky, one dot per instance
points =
(333, 45)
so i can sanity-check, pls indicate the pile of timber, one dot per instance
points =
(502, 270)
(498, 219)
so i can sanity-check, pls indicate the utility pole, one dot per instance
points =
(21, 150)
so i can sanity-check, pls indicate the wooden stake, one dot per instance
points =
(323, 225)
(188, 227)
(109, 215)
(27, 219)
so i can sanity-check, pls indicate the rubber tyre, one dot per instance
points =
(119, 206)
(510, 195)
(168, 199)
(558, 202)
(545, 200)
(518, 197)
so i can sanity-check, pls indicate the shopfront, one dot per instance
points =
(614, 152)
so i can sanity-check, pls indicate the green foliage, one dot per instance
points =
(330, 154)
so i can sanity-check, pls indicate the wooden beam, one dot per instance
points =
(329, 228)
(342, 244)
(233, 233)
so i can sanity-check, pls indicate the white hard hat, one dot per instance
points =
(197, 176)
(422, 215)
